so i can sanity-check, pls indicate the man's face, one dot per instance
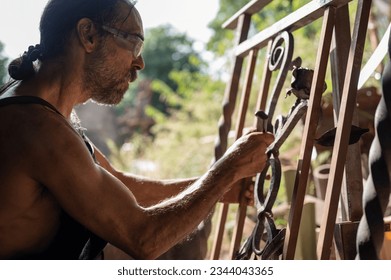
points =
(114, 64)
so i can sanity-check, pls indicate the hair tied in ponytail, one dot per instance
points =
(22, 68)
(33, 53)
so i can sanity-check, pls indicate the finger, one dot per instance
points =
(268, 138)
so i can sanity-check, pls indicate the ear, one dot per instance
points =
(87, 34)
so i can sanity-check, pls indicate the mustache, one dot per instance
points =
(132, 74)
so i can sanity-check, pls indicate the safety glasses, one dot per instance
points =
(130, 41)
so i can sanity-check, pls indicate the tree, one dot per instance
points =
(167, 50)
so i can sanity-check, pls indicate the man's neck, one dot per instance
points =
(57, 85)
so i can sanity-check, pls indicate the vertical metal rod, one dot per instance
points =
(343, 129)
(241, 214)
(351, 192)
(311, 122)
(225, 124)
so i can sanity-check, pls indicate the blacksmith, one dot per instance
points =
(60, 198)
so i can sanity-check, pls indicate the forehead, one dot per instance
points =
(129, 19)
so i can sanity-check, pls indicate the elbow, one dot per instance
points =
(145, 241)
(144, 247)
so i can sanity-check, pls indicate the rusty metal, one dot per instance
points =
(343, 130)
(310, 126)
(242, 209)
(272, 248)
(273, 237)
(275, 36)
(225, 125)
(280, 59)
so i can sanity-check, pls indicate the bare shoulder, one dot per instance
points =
(35, 137)
(29, 138)
(31, 126)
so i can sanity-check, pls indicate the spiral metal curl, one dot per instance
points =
(273, 237)
(370, 232)
(280, 58)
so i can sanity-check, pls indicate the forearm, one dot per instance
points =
(149, 192)
(146, 233)
(176, 218)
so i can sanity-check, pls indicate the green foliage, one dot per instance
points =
(166, 50)
(222, 39)
(183, 145)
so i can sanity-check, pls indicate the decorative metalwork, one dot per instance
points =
(273, 237)
(370, 234)
(280, 58)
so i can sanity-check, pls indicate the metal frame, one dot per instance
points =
(345, 58)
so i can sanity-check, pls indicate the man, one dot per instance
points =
(60, 199)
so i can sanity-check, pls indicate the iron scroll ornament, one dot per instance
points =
(265, 228)
(280, 58)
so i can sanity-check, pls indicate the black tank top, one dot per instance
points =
(72, 241)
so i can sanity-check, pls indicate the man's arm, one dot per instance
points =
(102, 203)
(147, 191)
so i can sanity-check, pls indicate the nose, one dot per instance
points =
(138, 63)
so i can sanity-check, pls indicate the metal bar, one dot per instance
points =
(265, 84)
(339, 55)
(298, 19)
(241, 214)
(225, 124)
(352, 180)
(311, 122)
(231, 92)
(343, 129)
(218, 237)
(246, 93)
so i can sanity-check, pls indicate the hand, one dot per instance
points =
(246, 157)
